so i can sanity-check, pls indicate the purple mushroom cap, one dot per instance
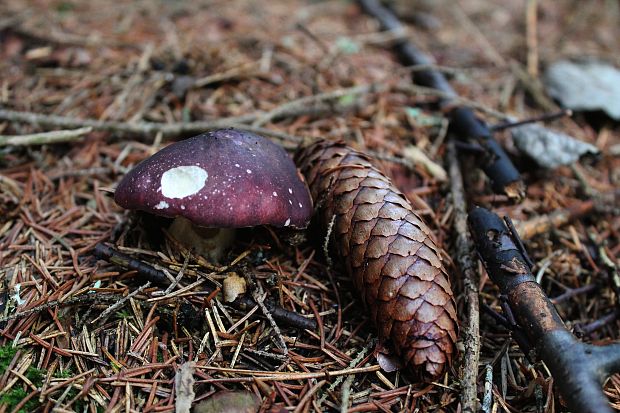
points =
(225, 178)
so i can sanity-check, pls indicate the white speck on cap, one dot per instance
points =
(287, 222)
(183, 181)
(275, 193)
(300, 205)
(290, 191)
(161, 205)
(248, 171)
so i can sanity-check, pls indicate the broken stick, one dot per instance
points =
(579, 369)
(464, 124)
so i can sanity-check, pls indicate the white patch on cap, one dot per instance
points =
(275, 193)
(248, 171)
(162, 205)
(290, 191)
(287, 222)
(183, 181)
(300, 205)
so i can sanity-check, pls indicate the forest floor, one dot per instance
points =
(82, 334)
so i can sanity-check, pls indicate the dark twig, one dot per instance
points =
(146, 271)
(547, 117)
(463, 122)
(242, 303)
(518, 242)
(572, 292)
(578, 369)
(587, 329)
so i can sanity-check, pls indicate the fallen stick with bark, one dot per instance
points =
(579, 369)
(505, 178)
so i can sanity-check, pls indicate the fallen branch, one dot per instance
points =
(578, 369)
(464, 124)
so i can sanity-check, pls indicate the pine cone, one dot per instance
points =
(389, 252)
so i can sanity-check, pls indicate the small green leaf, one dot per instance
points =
(347, 46)
(346, 100)
(422, 119)
(229, 401)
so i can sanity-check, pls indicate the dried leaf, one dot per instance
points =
(184, 386)
(229, 402)
(585, 86)
(232, 287)
(550, 148)
(415, 155)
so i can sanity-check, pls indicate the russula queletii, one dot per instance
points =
(215, 182)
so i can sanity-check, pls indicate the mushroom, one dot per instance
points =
(217, 181)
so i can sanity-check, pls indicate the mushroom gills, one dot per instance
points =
(211, 243)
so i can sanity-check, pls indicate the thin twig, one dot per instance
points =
(137, 128)
(531, 28)
(121, 302)
(260, 300)
(302, 105)
(86, 298)
(276, 376)
(546, 117)
(464, 250)
(45, 138)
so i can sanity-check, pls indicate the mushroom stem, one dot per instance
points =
(211, 243)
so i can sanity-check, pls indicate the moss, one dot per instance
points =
(13, 397)
(6, 355)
